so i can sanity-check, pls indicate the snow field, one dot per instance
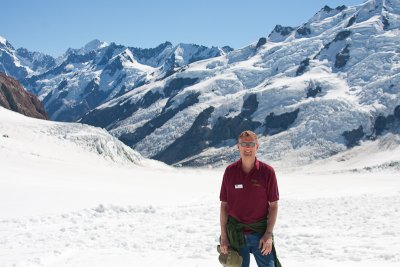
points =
(330, 230)
(66, 200)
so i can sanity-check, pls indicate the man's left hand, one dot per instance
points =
(265, 244)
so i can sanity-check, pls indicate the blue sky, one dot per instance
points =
(53, 26)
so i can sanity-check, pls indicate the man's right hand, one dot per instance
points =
(224, 245)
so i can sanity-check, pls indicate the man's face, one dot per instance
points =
(247, 147)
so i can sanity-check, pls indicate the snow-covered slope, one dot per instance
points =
(70, 195)
(372, 155)
(29, 139)
(309, 92)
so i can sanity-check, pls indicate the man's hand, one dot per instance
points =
(224, 245)
(266, 243)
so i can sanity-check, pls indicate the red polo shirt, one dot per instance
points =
(248, 195)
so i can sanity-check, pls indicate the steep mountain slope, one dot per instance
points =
(14, 97)
(309, 92)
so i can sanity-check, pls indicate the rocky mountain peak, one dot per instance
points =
(92, 46)
(4, 44)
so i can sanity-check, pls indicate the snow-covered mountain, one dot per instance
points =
(20, 63)
(309, 91)
(81, 79)
(84, 78)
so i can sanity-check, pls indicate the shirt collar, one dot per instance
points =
(256, 163)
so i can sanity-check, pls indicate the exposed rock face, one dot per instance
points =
(303, 31)
(14, 97)
(262, 41)
(390, 123)
(313, 92)
(342, 35)
(342, 57)
(280, 33)
(351, 21)
(303, 66)
(283, 30)
(275, 124)
(353, 137)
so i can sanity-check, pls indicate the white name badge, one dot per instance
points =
(238, 186)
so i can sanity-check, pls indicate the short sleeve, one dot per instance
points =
(272, 187)
(223, 195)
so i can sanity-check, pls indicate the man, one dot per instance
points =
(249, 205)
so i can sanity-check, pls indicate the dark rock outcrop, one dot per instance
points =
(327, 8)
(341, 8)
(284, 31)
(389, 123)
(380, 124)
(351, 21)
(262, 41)
(313, 92)
(385, 22)
(227, 49)
(303, 66)
(14, 97)
(353, 137)
(304, 31)
(275, 124)
(342, 35)
(176, 85)
(342, 57)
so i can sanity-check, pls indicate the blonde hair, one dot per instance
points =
(248, 133)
